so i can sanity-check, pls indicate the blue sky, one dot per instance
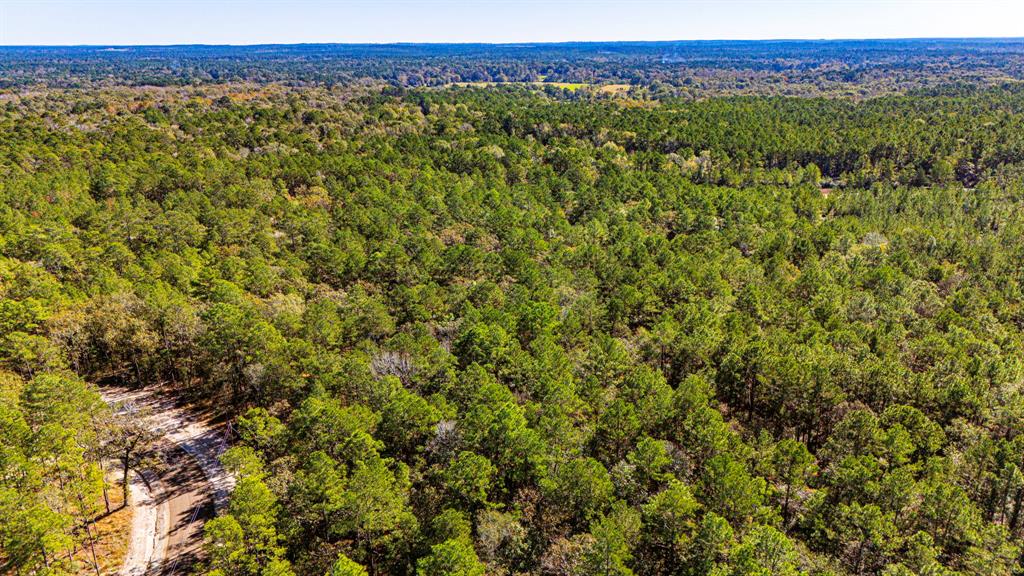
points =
(278, 21)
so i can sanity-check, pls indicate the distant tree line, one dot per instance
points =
(856, 68)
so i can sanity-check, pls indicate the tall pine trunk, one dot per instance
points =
(124, 476)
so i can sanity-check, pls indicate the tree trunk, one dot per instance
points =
(785, 507)
(990, 504)
(1018, 499)
(92, 548)
(859, 557)
(369, 547)
(106, 492)
(138, 371)
(1002, 501)
(124, 477)
(751, 388)
(88, 532)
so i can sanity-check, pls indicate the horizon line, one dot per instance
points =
(520, 43)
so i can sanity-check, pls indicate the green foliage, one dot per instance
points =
(765, 551)
(496, 331)
(451, 558)
(51, 495)
(610, 552)
(469, 476)
(345, 566)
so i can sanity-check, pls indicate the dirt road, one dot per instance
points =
(172, 504)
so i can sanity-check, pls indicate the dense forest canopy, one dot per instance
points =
(524, 330)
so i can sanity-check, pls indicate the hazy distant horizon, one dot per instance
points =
(512, 44)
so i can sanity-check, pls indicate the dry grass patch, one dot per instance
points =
(113, 531)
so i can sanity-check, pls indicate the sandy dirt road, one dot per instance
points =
(171, 504)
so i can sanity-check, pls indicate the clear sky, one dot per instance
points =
(279, 21)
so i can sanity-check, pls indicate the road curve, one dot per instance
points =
(171, 506)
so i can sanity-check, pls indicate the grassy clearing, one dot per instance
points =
(613, 88)
(571, 86)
